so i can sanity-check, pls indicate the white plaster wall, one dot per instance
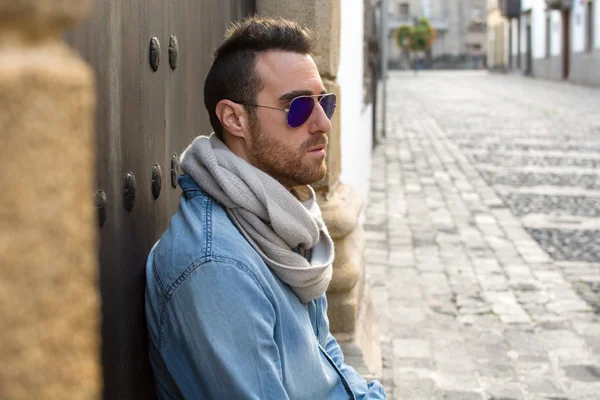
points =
(556, 43)
(579, 13)
(578, 17)
(355, 118)
(526, 4)
(538, 28)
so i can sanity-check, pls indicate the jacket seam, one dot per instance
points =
(159, 280)
(208, 232)
(317, 319)
(187, 272)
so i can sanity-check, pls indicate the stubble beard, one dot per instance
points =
(285, 164)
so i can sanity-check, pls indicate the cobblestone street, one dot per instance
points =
(483, 238)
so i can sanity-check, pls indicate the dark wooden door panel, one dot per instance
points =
(144, 117)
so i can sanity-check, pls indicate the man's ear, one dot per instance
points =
(233, 117)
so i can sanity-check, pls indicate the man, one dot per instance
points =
(235, 297)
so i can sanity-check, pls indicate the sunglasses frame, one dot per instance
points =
(316, 97)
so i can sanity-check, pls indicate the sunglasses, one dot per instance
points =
(301, 108)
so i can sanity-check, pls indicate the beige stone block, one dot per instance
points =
(349, 259)
(334, 148)
(341, 210)
(36, 18)
(322, 17)
(362, 349)
(49, 300)
(342, 311)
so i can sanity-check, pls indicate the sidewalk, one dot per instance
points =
(471, 307)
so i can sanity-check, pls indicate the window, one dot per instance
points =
(589, 26)
(548, 35)
(404, 9)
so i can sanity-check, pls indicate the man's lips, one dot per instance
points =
(316, 148)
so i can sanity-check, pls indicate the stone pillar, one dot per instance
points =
(49, 300)
(352, 318)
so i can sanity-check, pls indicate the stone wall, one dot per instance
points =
(49, 302)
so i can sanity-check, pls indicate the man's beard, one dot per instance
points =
(289, 166)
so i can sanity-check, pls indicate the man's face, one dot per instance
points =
(291, 156)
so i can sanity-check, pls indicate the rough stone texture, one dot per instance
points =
(322, 17)
(342, 209)
(471, 305)
(40, 16)
(363, 350)
(49, 302)
(348, 263)
(342, 310)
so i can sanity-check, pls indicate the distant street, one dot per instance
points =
(483, 232)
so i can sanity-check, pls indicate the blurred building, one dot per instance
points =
(460, 27)
(500, 43)
(561, 39)
(550, 39)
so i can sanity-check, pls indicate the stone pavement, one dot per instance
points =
(483, 226)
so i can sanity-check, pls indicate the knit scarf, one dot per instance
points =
(277, 224)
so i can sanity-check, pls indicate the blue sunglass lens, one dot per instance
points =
(300, 110)
(328, 103)
(302, 107)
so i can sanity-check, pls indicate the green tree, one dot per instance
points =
(417, 38)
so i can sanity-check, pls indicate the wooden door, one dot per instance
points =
(566, 42)
(147, 112)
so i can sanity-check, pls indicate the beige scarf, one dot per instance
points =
(272, 219)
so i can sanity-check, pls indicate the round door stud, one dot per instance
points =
(129, 191)
(156, 181)
(101, 202)
(173, 52)
(154, 53)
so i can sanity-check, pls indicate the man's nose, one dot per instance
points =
(321, 124)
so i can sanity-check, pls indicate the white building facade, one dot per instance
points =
(559, 40)
(460, 26)
(356, 109)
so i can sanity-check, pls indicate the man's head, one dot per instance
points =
(260, 68)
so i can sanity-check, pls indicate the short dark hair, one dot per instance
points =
(233, 73)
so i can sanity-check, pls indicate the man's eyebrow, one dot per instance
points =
(295, 93)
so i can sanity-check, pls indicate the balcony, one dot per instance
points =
(558, 4)
(510, 8)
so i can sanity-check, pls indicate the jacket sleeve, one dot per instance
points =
(218, 336)
(362, 390)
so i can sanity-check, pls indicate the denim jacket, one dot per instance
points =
(223, 326)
